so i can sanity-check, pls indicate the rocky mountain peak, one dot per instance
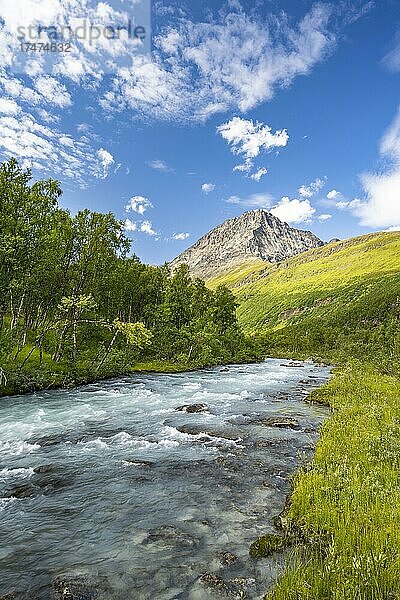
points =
(256, 234)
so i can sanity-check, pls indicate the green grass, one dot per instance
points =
(316, 282)
(347, 503)
(339, 303)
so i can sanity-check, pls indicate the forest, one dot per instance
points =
(77, 305)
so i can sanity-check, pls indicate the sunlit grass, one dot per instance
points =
(346, 505)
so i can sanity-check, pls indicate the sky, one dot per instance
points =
(195, 112)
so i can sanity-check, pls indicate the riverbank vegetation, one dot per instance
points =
(346, 504)
(76, 305)
(339, 304)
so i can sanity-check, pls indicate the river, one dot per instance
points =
(108, 492)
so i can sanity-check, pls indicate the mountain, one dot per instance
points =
(253, 237)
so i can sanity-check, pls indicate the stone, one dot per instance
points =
(280, 422)
(43, 469)
(171, 535)
(20, 491)
(79, 587)
(193, 408)
(216, 583)
(227, 558)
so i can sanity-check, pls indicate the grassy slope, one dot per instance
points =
(342, 303)
(325, 299)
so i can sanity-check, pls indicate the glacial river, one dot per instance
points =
(108, 492)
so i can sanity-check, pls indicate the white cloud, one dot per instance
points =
(333, 195)
(53, 91)
(50, 150)
(348, 204)
(245, 167)
(8, 106)
(381, 207)
(248, 138)
(138, 204)
(105, 160)
(259, 174)
(234, 62)
(159, 165)
(253, 201)
(130, 225)
(208, 187)
(392, 58)
(293, 211)
(180, 236)
(142, 226)
(323, 218)
(308, 191)
(147, 227)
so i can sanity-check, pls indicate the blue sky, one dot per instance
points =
(284, 105)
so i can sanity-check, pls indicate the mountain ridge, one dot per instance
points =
(255, 235)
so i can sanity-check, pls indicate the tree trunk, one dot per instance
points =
(107, 352)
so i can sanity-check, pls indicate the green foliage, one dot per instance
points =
(135, 334)
(267, 545)
(346, 504)
(74, 306)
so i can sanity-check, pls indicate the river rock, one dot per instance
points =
(193, 408)
(43, 469)
(280, 422)
(48, 440)
(216, 583)
(79, 587)
(170, 535)
(227, 558)
(53, 483)
(24, 490)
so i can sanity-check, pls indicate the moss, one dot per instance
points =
(267, 544)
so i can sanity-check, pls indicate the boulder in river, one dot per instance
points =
(193, 408)
(79, 587)
(170, 535)
(280, 422)
(227, 558)
(216, 583)
(24, 490)
(43, 469)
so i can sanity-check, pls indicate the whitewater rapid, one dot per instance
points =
(109, 482)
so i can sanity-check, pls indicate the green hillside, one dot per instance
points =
(343, 298)
(340, 303)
